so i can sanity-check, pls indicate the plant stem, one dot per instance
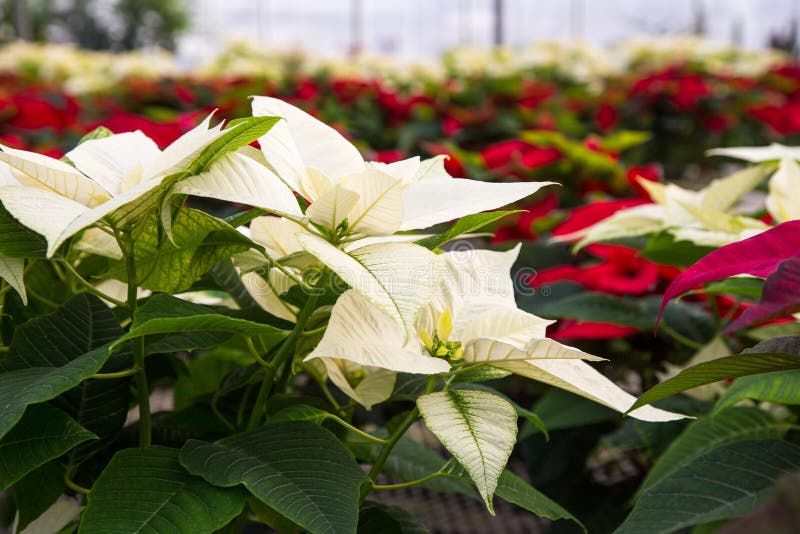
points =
(392, 440)
(680, 338)
(357, 431)
(117, 374)
(408, 484)
(142, 389)
(281, 356)
(91, 289)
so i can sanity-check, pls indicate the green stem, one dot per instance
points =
(280, 357)
(680, 338)
(117, 374)
(91, 289)
(142, 389)
(72, 485)
(408, 484)
(357, 431)
(401, 429)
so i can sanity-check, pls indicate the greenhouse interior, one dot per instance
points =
(383, 266)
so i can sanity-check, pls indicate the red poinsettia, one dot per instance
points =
(515, 157)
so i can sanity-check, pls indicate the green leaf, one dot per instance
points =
(590, 306)
(724, 483)
(165, 314)
(199, 241)
(716, 370)
(411, 461)
(33, 385)
(781, 387)
(100, 132)
(743, 287)
(297, 468)
(147, 490)
(378, 518)
(707, 433)
(663, 248)
(37, 491)
(43, 433)
(624, 139)
(478, 428)
(207, 372)
(559, 409)
(513, 489)
(300, 412)
(239, 132)
(226, 277)
(17, 241)
(464, 225)
(81, 325)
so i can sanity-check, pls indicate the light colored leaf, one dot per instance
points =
(398, 278)
(478, 428)
(11, 270)
(435, 200)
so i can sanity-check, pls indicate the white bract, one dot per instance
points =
(783, 201)
(471, 320)
(702, 217)
(58, 200)
(373, 198)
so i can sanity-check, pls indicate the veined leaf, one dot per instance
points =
(297, 468)
(726, 482)
(398, 278)
(198, 242)
(465, 225)
(707, 433)
(164, 314)
(43, 433)
(756, 256)
(147, 490)
(17, 241)
(781, 387)
(57, 340)
(238, 133)
(37, 491)
(478, 428)
(33, 385)
(716, 370)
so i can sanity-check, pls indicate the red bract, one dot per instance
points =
(606, 117)
(622, 274)
(513, 156)
(586, 216)
(781, 296)
(783, 119)
(650, 172)
(523, 229)
(389, 156)
(33, 112)
(756, 256)
(162, 133)
(452, 164)
(591, 330)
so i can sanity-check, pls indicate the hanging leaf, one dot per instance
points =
(378, 518)
(297, 468)
(478, 428)
(147, 490)
(43, 433)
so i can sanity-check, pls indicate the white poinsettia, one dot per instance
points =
(373, 198)
(783, 201)
(58, 200)
(703, 217)
(471, 320)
